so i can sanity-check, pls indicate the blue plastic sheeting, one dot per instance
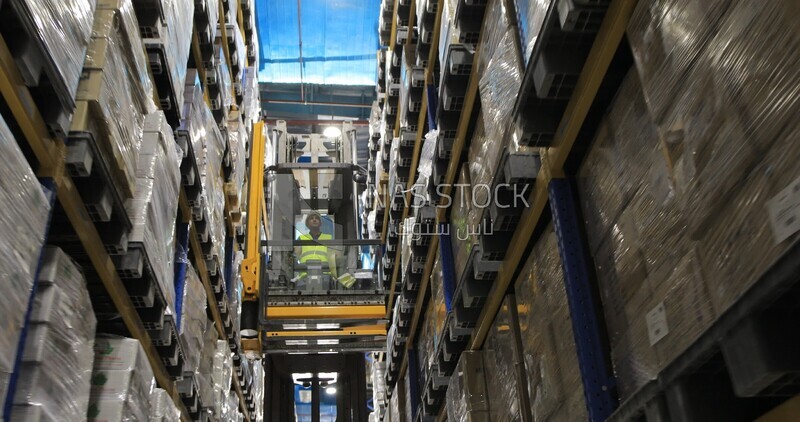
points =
(340, 38)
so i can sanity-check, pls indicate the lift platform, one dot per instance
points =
(310, 283)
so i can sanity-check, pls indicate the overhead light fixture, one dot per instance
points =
(332, 132)
(330, 391)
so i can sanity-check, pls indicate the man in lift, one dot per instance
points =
(318, 255)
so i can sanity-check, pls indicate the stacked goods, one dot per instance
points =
(122, 381)
(504, 367)
(426, 342)
(378, 372)
(439, 305)
(155, 203)
(163, 409)
(258, 390)
(467, 398)
(192, 322)
(22, 224)
(115, 92)
(464, 222)
(61, 31)
(685, 183)
(551, 361)
(170, 38)
(205, 371)
(57, 361)
(222, 373)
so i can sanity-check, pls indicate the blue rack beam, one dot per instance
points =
(49, 188)
(590, 338)
(448, 265)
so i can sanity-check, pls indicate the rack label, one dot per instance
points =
(784, 212)
(657, 324)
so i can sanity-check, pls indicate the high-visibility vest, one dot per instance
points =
(314, 252)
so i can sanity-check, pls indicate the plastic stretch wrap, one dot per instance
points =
(667, 36)
(499, 19)
(397, 187)
(689, 213)
(223, 366)
(748, 236)
(554, 379)
(211, 146)
(437, 295)
(205, 382)
(175, 35)
(251, 103)
(464, 223)
(374, 119)
(22, 228)
(236, 294)
(57, 359)
(108, 86)
(155, 203)
(409, 232)
(530, 17)
(238, 139)
(624, 149)
(115, 20)
(503, 366)
(425, 169)
(164, 409)
(484, 158)
(467, 399)
(223, 72)
(499, 86)
(192, 122)
(240, 56)
(378, 375)
(426, 347)
(193, 318)
(63, 28)
(122, 381)
(258, 389)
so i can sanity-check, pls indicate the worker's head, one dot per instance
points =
(313, 220)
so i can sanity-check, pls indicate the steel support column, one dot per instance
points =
(599, 385)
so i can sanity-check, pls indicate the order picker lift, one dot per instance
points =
(334, 302)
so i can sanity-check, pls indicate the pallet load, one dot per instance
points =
(23, 228)
(205, 371)
(192, 321)
(222, 373)
(504, 367)
(122, 381)
(684, 186)
(115, 94)
(152, 211)
(168, 42)
(467, 398)
(57, 360)
(551, 360)
(51, 51)
(163, 409)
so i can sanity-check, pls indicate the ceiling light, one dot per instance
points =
(330, 391)
(332, 132)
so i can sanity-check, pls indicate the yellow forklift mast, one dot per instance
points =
(309, 276)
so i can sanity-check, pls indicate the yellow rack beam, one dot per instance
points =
(364, 331)
(326, 312)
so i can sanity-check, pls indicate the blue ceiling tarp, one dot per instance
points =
(340, 38)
